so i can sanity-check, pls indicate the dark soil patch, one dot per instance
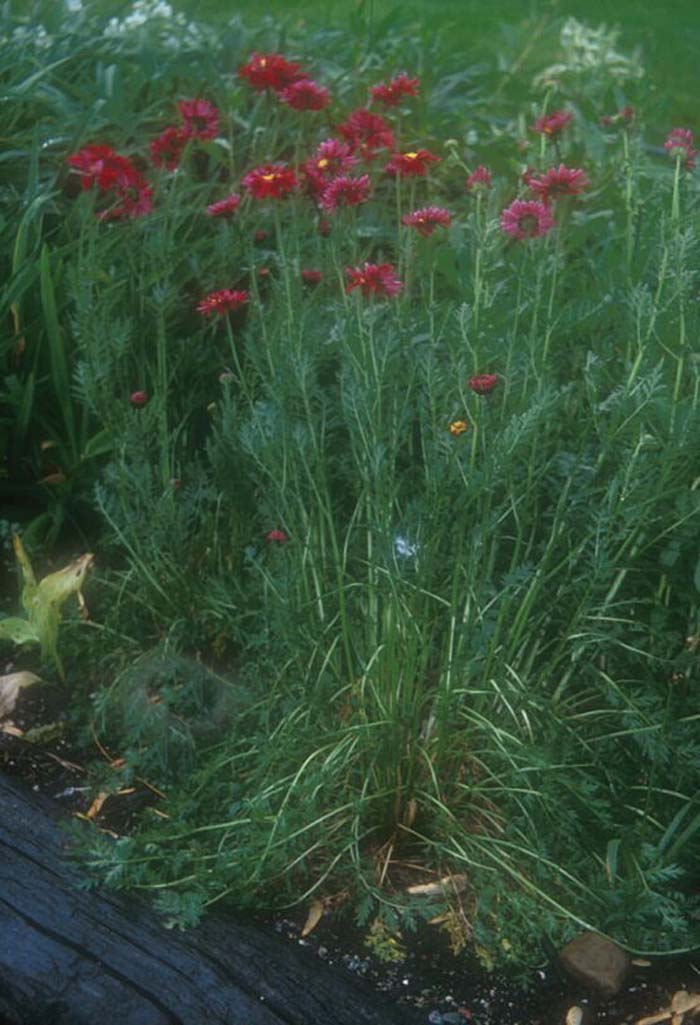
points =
(448, 990)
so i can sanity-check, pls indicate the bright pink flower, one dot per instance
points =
(427, 219)
(312, 277)
(559, 181)
(104, 167)
(345, 191)
(225, 301)
(271, 181)
(367, 132)
(415, 162)
(552, 125)
(679, 143)
(271, 71)
(225, 207)
(527, 219)
(391, 93)
(483, 384)
(481, 179)
(306, 95)
(277, 537)
(202, 119)
(167, 149)
(374, 279)
(139, 399)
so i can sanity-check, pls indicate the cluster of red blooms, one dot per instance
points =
(287, 79)
(116, 177)
(200, 120)
(679, 144)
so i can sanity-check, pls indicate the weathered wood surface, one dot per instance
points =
(68, 957)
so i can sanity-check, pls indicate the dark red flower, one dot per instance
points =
(415, 162)
(306, 95)
(312, 277)
(135, 200)
(271, 181)
(367, 132)
(277, 537)
(679, 143)
(374, 279)
(332, 158)
(202, 119)
(527, 219)
(552, 125)
(271, 71)
(225, 301)
(345, 191)
(625, 117)
(260, 235)
(324, 227)
(483, 384)
(139, 399)
(558, 182)
(167, 149)
(481, 179)
(225, 207)
(391, 93)
(427, 219)
(104, 167)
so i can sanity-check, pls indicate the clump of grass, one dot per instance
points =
(444, 540)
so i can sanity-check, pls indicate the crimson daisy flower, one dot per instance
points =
(391, 93)
(331, 158)
(367, 132)
(427, 219)
(104, 167)
(345, 191)
(139, 399)
(167, 149)
(271, 71)
(225, 207)
(552, 125)
(527, 219)
(277, 537)
(271, 181)
(679, 143)
(483, 384)
(134, 200)
(415, 162)
(202, 119)
(306, 95)
(374, 279)
(222, 302)
(559, 181)
(480, 180)
(312, 277)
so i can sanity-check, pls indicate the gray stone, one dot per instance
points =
(597, 962)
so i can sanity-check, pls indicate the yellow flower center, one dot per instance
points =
(458, 427)
(410, 156)
(269, 177)
(322, 163)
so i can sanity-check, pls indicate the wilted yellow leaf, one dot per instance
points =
(96, 806)
(10, 687)
(313, 918)
(446, 884)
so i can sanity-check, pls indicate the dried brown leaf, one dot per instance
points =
(11, 686)
(313, 918)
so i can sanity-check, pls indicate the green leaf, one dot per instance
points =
(19, 631)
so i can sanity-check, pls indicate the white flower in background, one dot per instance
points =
(74, 6)
(171, 27)
(403, 547)
(35, 35)
(589, 49)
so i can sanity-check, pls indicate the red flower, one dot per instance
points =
(271, 71)
(559, 181)
(104, 167)
(271, 181)
(374, 279)
(426, 220)
(481, 179)
(331, 158)
(167, 149)
(225, 207)
(527, 219)
(277, 537)
(260, 235)
(416, 162)
(390, 93)
(312, 277)
(679, 143)
(367, 132)
(553, 124)
(625, 116)
(201, 118)
(324, 227)
(345, 191)
(139, 399)
(305, 95)
(135, 200)
(483, 384)
(225, 301)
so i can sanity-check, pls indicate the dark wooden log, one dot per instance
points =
(70, 957)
